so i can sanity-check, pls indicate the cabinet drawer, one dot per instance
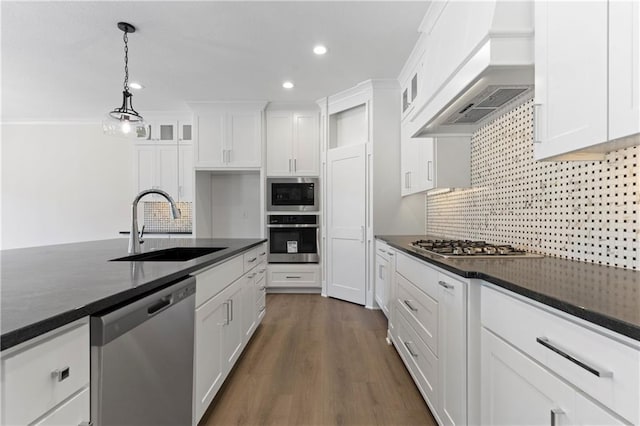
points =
(73, 412)
(262, 253)
(542, 335)
(418, 358)
(421, 275)
(38, 378)
(214, 280)
(420, 309)
(382, 249)
(293, 276)
(250, 259)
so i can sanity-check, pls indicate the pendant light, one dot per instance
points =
(125, 121)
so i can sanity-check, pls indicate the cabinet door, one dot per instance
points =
(185, 132)
(517, 391)
(452, 353)
(244, 139)
(144, 168)
(167, 169)
(570, 76)
(232, 334)
(590, 414)
(72, 412)
(248, 311)
(382, 283)
(164, 131)
(210, 150)
(416, 164)
(211, 321)
(185, 173)
(306, 146)
(624, 68)
(279, 143)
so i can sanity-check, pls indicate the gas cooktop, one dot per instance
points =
(466, 248)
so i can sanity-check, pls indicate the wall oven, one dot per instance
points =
(292, 194)
(293, 238)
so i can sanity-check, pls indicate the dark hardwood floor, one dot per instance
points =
(318, 361)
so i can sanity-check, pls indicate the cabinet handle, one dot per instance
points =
(253, 259)
(289, 165)
(390, 253)
(227, 319)
(536, 119)
(295, 164)
(263, 253)
(362, 234)
(410, 306)
(86, 424)
(231, 316)
(262, 288)
(251, 276)
(554, 413)
(544, 341)
(61, 373)
(293, 277)
(430, 171)
(413, 354)
(445, 285)
(380, 271)
(261, 271)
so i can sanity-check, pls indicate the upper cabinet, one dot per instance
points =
(582, 115)
(293, 143)
(411, 82)
(228, 135)
(167, 131)
(430, 163)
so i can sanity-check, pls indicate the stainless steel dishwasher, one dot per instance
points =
(142, 360)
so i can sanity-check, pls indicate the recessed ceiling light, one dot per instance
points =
(287, 85)
(136, 86)
(319, 50)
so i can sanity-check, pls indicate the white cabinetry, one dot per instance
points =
(430, 326)
(293, 143)
(428, 163)
(46, 381)
(227, 314)
(293, 276)
(577, 112)
(385, 272)
(165, 161)
(228, 135)
(544, 363)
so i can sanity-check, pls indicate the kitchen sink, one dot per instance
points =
(175, 254)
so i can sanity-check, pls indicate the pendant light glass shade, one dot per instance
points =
(125, 121)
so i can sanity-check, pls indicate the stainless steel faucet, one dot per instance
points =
(134, 237)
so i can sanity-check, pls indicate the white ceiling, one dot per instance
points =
(64, 60)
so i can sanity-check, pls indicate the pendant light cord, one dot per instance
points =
(126, 61)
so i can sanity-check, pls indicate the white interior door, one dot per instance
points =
(346, 208)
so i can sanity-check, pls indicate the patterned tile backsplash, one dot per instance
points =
(157, 217)
(587, 211)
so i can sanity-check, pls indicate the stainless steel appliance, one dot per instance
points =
(293, 238)
(293, 194)
(142, 360)
(466, 248)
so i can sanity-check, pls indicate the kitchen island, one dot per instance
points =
(43, 288)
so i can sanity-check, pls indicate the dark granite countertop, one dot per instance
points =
(43, 288)
(604, 295)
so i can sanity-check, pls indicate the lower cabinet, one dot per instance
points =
(428, 326)
(45, 381)
(294, 276)
(225, 321)
(385, 271)
(538, 367)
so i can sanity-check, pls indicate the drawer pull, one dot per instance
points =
(406, 302)
(563, 353)
(262, 288)
(261, 271)
(263, 253)
(86, 424)
(554, 413)
(251, 276)
(445, 285)
(61, 374)
(413, 354)
(292, 277)
(253, 259)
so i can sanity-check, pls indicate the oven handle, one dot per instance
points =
(295, 225)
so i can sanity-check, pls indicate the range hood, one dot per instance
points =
(495, 77)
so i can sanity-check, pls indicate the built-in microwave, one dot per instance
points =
(293, 194)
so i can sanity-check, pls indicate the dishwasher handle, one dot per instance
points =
(108, 326)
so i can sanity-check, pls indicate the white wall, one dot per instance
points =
(63, 183)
